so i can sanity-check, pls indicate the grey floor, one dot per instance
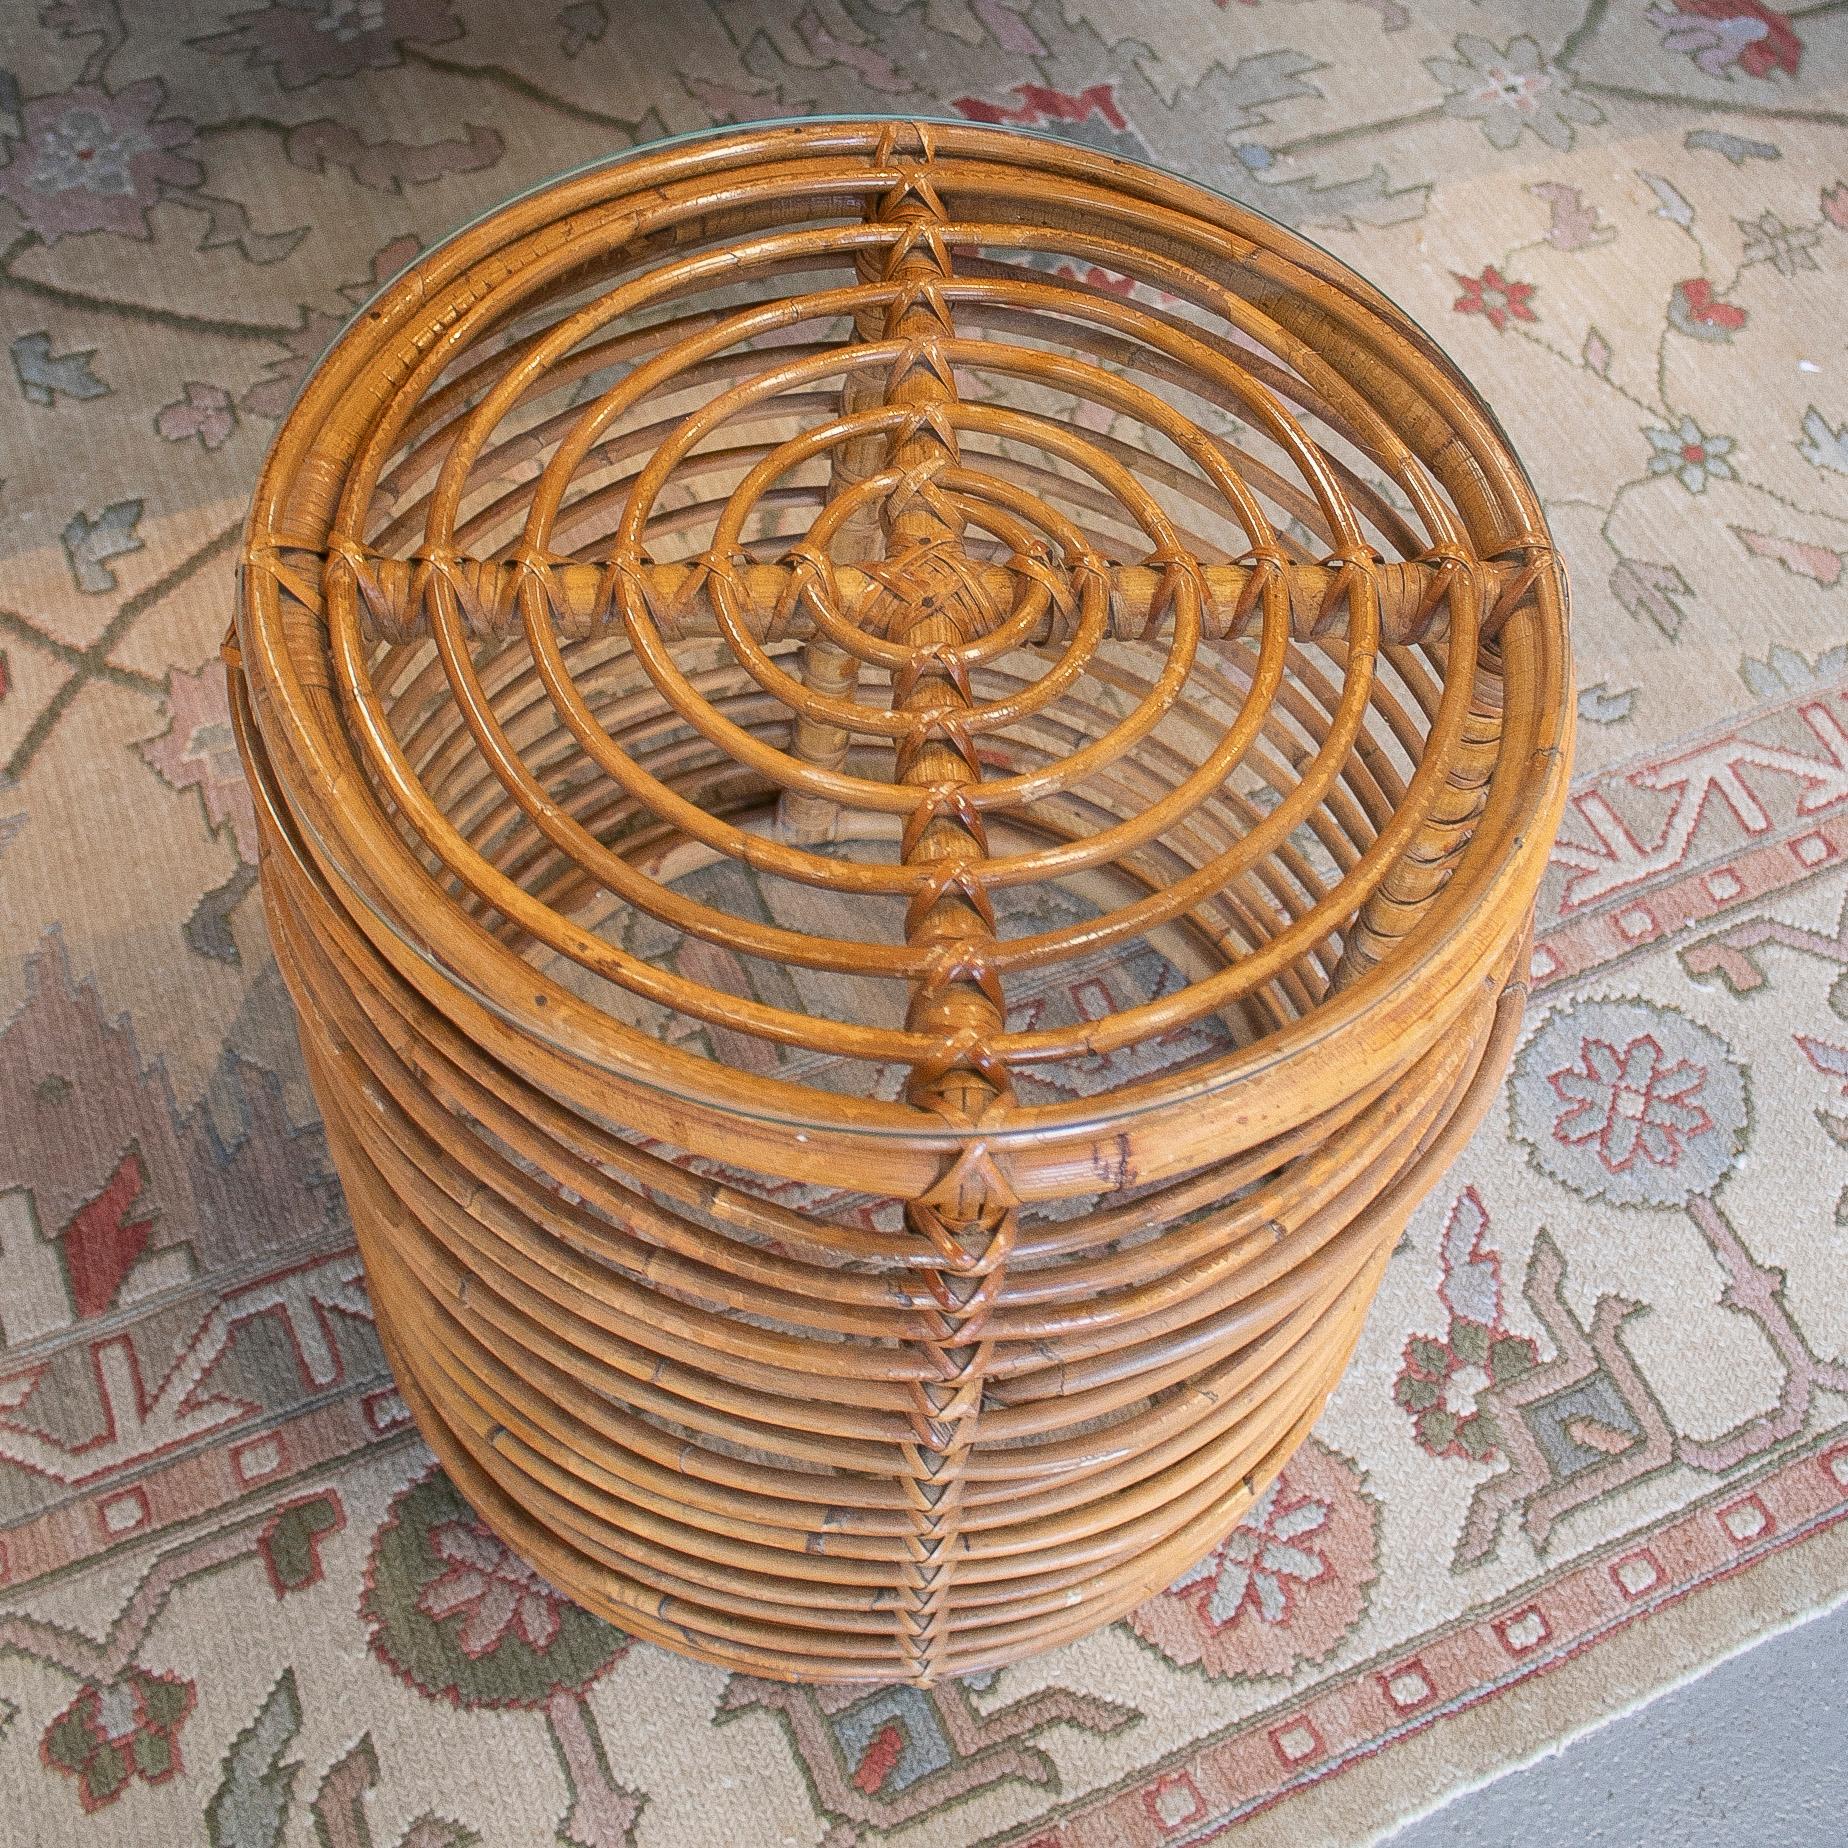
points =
(1754, 1752)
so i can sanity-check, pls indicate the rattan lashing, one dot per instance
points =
(1002, 560)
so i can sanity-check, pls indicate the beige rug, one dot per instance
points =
(1595, 1435)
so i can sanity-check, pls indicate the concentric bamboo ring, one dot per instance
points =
(902, 772)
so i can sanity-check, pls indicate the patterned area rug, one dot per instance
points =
(1595, 1434)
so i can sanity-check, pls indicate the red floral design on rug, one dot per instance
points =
(460, 1616)
(1630, 1101)
(109, 1736)
(494, 1593)
(1285, 1586)
(1494, 297)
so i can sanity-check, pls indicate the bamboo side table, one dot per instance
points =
(902, 772)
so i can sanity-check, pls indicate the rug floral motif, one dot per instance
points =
(1603, 1383)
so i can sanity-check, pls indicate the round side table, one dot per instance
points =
(902, 771)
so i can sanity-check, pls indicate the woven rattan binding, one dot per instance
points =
(741, 655)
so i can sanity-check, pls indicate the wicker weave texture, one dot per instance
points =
(733, 651)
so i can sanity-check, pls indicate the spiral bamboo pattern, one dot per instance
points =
(736, 653)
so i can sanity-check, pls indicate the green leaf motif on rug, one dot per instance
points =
(252, 1801)
(291, 1543)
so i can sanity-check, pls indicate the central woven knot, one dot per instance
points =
(932, 591)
